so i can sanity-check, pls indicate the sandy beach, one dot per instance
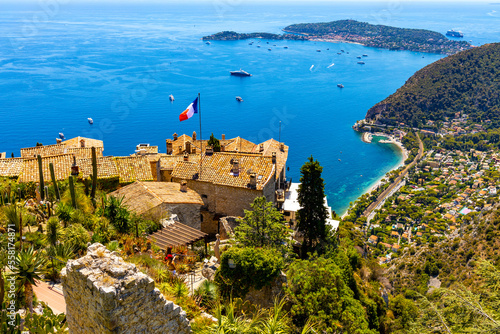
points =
(404, 152)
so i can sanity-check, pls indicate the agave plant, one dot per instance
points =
(28, 268)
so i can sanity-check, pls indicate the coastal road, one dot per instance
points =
(382, 197)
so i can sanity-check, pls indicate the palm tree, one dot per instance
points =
(28, 268)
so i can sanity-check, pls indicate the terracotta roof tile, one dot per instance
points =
(88, 142)
(134, 168)
(217, 169)
(143, 196)
(57, 149)
(240, 145)
(62, 168)
(46, 150)
(106, 167)
(168, 162)
(11, 167)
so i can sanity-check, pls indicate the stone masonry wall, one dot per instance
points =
(104, 294)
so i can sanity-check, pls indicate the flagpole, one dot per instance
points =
(201, 141)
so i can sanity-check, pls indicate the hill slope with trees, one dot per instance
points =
(467, 82)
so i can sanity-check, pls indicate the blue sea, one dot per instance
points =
(64, 61)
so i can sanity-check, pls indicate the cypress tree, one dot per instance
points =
(313, 213)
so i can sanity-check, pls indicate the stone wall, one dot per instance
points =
(188, 214)
(104, 294)
(226, 200)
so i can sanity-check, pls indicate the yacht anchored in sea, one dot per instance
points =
(454, 33)
(240, 73)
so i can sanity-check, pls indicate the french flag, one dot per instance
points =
(190, 111)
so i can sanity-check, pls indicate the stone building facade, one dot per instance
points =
(105, 295)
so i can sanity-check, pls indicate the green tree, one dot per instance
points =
(313, 213)
(263, 226)
(317, 291)
(251, 268)
(28, 268)
(214, 142)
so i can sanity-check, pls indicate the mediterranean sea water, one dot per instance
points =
(62, 62)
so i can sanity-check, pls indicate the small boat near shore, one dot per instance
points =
(340, 85)
(239, 99)
(208, 43)
(171, 97)
(91, 121)
(61, 135)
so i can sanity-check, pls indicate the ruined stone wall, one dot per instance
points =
(104, 294)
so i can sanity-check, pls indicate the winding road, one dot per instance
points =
(383, 196)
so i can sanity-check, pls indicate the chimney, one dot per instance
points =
(253, 180)
(58, 140)
(209, 150)
(74, 168)
(274, 157)
(175, 136)
(186, 156)
(184, 186)
(235, 170)
(82, 143)
(169, 146)
(188, 147)
(261, 147)
(223, 137)
(282, 147)
(194, 135)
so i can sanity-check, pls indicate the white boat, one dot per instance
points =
(91, 121)
(61, 135)
(171, 97)
(239, 99)
(340, 85)
(207, 43)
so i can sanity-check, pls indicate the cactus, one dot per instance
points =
(94, 175)
(20, 194)
(72, 192)
(53, 176)
(40, 171)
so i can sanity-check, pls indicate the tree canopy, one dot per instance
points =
(313, 213)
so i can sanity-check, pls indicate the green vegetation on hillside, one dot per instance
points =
(234, 36)
(467, 83)
(381, 36)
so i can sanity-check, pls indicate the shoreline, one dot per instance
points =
(390, 140)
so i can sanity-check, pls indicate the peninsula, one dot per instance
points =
(364, 33)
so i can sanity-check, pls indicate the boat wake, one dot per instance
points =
(330, 65)
(311, 68)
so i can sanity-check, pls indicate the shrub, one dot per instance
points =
(77, 236)
(254, 268)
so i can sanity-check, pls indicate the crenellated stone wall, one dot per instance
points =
(105, 294)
